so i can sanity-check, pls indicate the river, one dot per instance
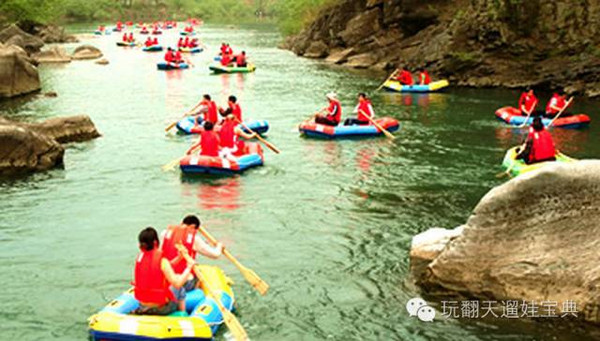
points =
(328, 224)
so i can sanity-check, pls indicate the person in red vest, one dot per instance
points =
(226, 60)
(539, 146)
(180, 43)
(223, 49)
(186, 42)
(125, 39)
(207, 110)
(228, 50)
(130, 38)
(404, 77)
(148, 42)
(178, 58)
(424, 78)
(527, 102)
(185, 235)
(232, 108)
(194, 43)
(556, 104)
(231, 144)
(208, 141)
(240, 59)
(334, 111)
(364, 110)
(154, 275)
(169, 57)
(155, 41)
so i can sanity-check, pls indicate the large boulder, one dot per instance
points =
(534, 238)
(17, 73)
(87, 52)
(25, 151)
(53, 55)
(54, 34)
(13, 35)
(317, 49)
(67, 129)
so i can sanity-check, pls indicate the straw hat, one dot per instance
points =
(332, 96)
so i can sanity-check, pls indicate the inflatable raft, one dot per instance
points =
(156, 33)
(100, 33)
(312, 129)
(518, 167)
(512, 116)
(115, 322)
(153, 48)
(121, 43)
(184, 33)
(144, 32)
(166, 66)
(191, 49)
(218, 68)
(252, 156)
(187, 126)
(394, 85)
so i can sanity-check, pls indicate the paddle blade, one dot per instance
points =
(171, 165)
(234, 326)
(170, 126)
(251, 277)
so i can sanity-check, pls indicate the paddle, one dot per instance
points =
(528, 115)
(235, 327)
(514, 162)
(387, 133)
(560, 112)
(390, 77)
(267, 143)
(175, 122)
(171, 165)
(251, 277)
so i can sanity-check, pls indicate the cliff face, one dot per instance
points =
(543, 43)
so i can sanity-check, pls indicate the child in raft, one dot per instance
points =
(334, 111)
(539, 146)
(364, 109)
(180, 239)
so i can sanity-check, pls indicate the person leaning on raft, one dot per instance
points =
(185, 235)
(334, 111)
(208, 141)
(153, 275)
(363, 107)
(539, 146)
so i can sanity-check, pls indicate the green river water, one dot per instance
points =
(328, 224)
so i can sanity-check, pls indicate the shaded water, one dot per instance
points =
(327, 223)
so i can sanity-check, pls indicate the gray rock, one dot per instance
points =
(53, 55)
(362, 61)
(102, 61)
(13, 35)
(85, 52)
(17, 73)
(317, 49)
(339, 56)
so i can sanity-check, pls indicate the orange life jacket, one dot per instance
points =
(150, 284)
(209, 142)
(174, 236)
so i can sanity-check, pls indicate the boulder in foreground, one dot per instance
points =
(18, 75)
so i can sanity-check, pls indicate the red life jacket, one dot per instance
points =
(334, 111)
(212, 113)
(174, 236)
(186, 42)
(542, 147)
(225, 60)
(180, 42)
(228, 50)
(367, 108)
(209, 142)
(148, 42)
(424, 78)
(150, 284)
(223, 49)
(405, 78)
(240, 59)
(558, 101)
(124, 37)
(227, 134)
(169, 57)
(236, 110)
(177, 56)
(155, 41)
(529, 102)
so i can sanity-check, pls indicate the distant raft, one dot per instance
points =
(191, 49)
(312, 129)
(394, 85)
(518, 167)
(156, 33)
(124, 44)
(99, 33)
(251, 156)
(153, 48)
(188, 125)
(115, 322)
(512, 116)
(218, 68)
(171, 66)
(184, 33)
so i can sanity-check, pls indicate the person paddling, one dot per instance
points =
(539, 146)
(125, 39)
(155, 41)
(527, 102)
(177, 57)
(208, 141)
(363, 109)
(424, 78)
(226, 60)
(185, 235)
(154, 277)
(130, 38)
(404, 77)
(148, 42)
(207, 108)
(229, 134)
(233, 107)
(240, 59)
(556, 104)
(169, 57)
(334, 111)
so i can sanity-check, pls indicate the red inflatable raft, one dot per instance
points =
(512, 116)
(252, 156)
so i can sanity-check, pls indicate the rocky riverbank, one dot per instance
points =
(534, 238)
(480, 43)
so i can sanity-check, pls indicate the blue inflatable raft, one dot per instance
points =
(166, 66)
(153, 48)
(187, 126)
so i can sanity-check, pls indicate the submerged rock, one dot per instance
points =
(87, 52)
(18, 75)
(102, 61)
(53, 55)
(535, 237)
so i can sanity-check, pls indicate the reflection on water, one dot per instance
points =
(222, 194)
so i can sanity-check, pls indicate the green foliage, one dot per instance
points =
(293, 15)
(31, 10)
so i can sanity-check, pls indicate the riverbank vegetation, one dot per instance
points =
(290, 16)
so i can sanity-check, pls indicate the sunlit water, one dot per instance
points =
(328, 224)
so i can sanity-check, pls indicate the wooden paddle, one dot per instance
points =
(251, 277)
(171, 165)
(390, 77)
(528, 115)
(387, 133)
(267, 143)
(235, 327)
(560, 112)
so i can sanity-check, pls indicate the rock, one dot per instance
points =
(535, 237)
(317, 49)
(17, 75)
(25, 151)
(361, 61)
(54, 55)
(102, 61)
(67, 129)
(86, 52)
(54, 34)
(339, 56)
(426, 246)
(13, 35)
(51, 94)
